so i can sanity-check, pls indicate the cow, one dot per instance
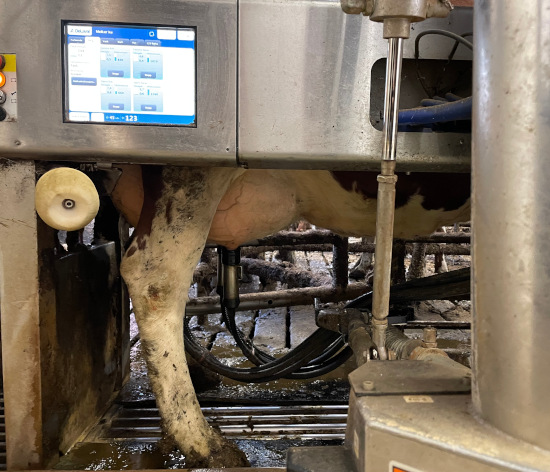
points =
(176, 210)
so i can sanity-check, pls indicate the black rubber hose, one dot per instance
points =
(280, 368)
(254, 355)
(322, 355)
(204, 357)
(454, 285)
(317, 364)
(329, 351)
(290, 366)
(259, 357)
(323, 369)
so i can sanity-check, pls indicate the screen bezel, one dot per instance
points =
(65, 68)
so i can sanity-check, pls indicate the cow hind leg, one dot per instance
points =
(158, 268)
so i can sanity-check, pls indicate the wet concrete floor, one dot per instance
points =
(131, 456)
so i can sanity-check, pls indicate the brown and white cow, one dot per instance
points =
(177, 209)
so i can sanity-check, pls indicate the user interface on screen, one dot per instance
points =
(130, 74)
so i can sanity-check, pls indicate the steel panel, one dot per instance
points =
(438, 435)
(405, 377)
(32, 30)
(304, 89)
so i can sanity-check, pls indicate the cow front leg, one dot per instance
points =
(158, 268)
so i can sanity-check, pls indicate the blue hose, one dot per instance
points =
(426, 115)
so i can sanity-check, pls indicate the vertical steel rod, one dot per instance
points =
(391, 97)
(385, 210)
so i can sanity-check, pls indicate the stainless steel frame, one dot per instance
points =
(32, 30)
(302, 99)
(20, 308)
(425, 433)
(505, 424)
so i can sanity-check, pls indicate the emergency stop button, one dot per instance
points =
(2, 61)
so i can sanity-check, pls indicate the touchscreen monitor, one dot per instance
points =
(129, 74)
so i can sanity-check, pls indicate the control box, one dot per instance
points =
(128, 81)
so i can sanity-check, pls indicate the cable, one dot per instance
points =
(455, 47)
(325, 362)
(459, 39)
(253, 354)
(280, 368)
(335, 362)
(259, 357)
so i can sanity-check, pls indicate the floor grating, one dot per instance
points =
(323, 422)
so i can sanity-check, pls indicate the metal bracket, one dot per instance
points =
(432, 8)
(404, 377)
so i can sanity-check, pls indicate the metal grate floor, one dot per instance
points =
(129, 435)
(136, 423)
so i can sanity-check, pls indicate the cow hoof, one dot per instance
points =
(66, 199)
(227, 455)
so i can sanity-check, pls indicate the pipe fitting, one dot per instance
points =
(411, 10)
(388, 168)
(396, 28)
(387, 179)
(429, 354)
(439, 8)
(429, 338)
(359, 337)
(397, 15)
(379, 329)
(399, 343)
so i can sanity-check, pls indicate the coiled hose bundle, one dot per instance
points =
(321, 352)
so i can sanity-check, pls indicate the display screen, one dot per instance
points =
(130, 74)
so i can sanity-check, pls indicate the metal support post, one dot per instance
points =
(19, 304)
(340, 263)
(385, 210)
(511, 170)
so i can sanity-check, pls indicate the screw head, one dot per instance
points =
(68, 204)
(368, 385)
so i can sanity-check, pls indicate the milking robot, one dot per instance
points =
(210, 86)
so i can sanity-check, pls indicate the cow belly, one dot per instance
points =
(261, 202)
(413, 219)
(324, 202)
(258, 203)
